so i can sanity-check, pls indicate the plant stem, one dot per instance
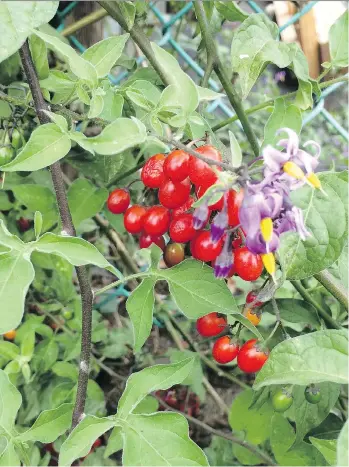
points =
(335, 287)
(137, 35)
(125, 174)
(308, 298)
(120, 281)
(85, 21)
(208, 71)
(212, 54)
(68, 228)
(270, 102)
(250, 447)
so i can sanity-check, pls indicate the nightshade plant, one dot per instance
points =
(246, 236)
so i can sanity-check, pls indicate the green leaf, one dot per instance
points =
(49, 425)
(159, 439)
(10, 456)
(113, 105)
(28, 344)
(16, 275)
(65, 370)
(327, 447)
(96, 103)
(342, 446)
(195, 378)
(8, 350)
(75, 250)
(310, 358)
(326, 218)
(140, 306)
(230, 11)
(80, 67)
(120, 135)
(115, 441)
(340, 269)
(128, 11)
(236, 153)
(282, 438)
(61, 84)
(59, 120)
(38, 198)
(85, 200)
(206, 94)
(295, 311)
(105, 53)
(148, 405)
(10, 402)
(37, 223)
(18, 19)
(46, 145)
(151, 379)
(79, 442)
(338, 39)
(254, 422)
(183, 92)
(220, 452)
(308, 416)
(39, 55)
(284, 115)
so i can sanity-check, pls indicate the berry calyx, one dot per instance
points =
(182, 228)
(225, 350)
(146, 240)
(134, 218)
(201, 190)
(203, 248)
(251, 299)
(252, 357)
(253, 316)
(281, 400)
(174, 194)
(152, 174)
(200, 173)
(118, 201)
(156, 221)
(176, 166)
(183, 209)
(234, 203)
(247, 265)
(174, 254)
(211, 325)
(237, 241)
(312, 394)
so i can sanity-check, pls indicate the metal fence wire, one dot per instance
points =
(168, 41)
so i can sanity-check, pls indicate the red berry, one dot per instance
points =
(182, 229)
(174, 254)
(146, 240)
(176, 166)
(211, 325)
(203, 248)
(234, 203)
(247, 265)
(237, 240)
(156, 221)
(184, 208)
(201, 190)
(23, 224)
(152, 174)
(97, 443)
(172, 195)
(200, 173)
(225, 350)
(134, 218)
(251, 297)
(118, 201)
(251, 358)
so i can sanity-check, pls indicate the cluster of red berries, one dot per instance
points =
(181, 179)
(251, 356)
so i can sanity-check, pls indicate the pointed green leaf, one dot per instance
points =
(284, 115)
(39, 55)
(235, 150)
(338, 39)
(327, 447)
(342, 446)
(10, 402)
(37, 223)
(115, 441)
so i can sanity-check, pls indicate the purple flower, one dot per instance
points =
(257, 245)
(224, 261)
(292, 221)
(220, 222)
(200, 216)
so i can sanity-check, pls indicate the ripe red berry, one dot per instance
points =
(156, 221)
(234, 202)
(176, 166)
(247, 265)
(251, 297)
(184, 208)
(152, 174)
(203, 248)
(97, 443)
(146, 240)
(172, 195)
(201, 190)
(23, 224)
(174, 254)
(182, 229)
(200, 173)
(211, 325)
(118, 201)
(225, 350)
(134, 218)
(251, 357)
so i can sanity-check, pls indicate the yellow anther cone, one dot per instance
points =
(314, 181)
(293, 170)
(266, 227)
(269, 263)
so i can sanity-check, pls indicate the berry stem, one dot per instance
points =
(120, 281)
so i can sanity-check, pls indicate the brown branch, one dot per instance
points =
(68, 228)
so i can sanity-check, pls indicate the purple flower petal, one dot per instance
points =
(218, 226)
(200, 216)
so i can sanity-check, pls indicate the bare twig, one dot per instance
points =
(68, 228)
